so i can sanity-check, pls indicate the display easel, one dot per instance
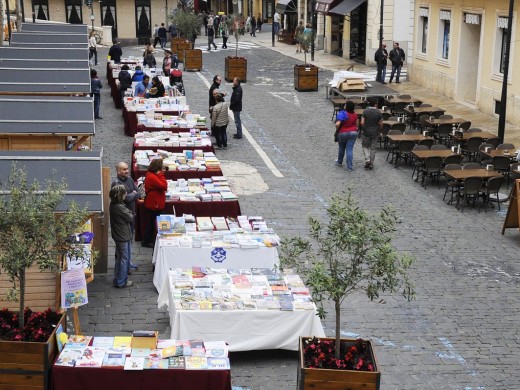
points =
(513, 211)
(75, 320)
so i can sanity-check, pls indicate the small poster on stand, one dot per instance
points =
(73, 288)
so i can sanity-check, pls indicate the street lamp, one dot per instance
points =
(312, 11)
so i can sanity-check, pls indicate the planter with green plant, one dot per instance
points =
(235, 66)
(306, 75)
(351, 253)
(32, 235)
(188, 25)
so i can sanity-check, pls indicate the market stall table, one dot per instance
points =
(175, 175)
(109, 378)
(130, 118)
(227, 208)
(244, 330)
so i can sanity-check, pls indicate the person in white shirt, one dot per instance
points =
(276, 23)
(92, 48)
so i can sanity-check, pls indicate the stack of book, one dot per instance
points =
(201, 288)
(196, 137)
(199, 190)
(184, 120)
(166, 103)
(188, 160)
(88, 351)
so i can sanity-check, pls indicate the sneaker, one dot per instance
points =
(367, 164)
(398, 82)
(371, 166)
(350, 169)
(129, 283)
(134, 267)
(98, 117)
(236, 136)
(338, 164)
(225, 147)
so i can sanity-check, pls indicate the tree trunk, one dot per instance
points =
(19, 15)
(337, 308)
(21, 300)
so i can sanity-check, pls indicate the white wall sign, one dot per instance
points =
(471, 19)
(502, 22)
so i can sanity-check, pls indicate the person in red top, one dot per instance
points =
(347, 125)
(155, 186)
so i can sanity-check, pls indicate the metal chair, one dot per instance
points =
(383, 140)
(482, 158)
(404, 96)
(470, 191)
(443, 133)
(471, 150)
(446, 116)
(403, 152)
(474, 130)
(418, 164)
(464, 126)
(425, 105)
(452, 185)
(502, 164)
(506, 147)
(399, 126)
(427, 142)
(392, 146)
(493, 187)
(454, 159)
(412, 132)
(399, 109)
(436, 114)
(471, 165)
(495, 141)
(431, 169)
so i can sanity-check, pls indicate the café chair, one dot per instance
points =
(492, 188)
(453, 159)
(417, 103)
(423, 124)
(425, 105)
(464, 126)
(363, 104)
(495, 141)
(403, 152)
(412, 132)
(427, 142)
(432, 169)
(474, 130)
(386, 115)
(471, 165)
(506, 147)
(484, 159)
(452, 185)
(418, 164)
(399, 126)
(514, 171)
(436, 114)
(399, 109)
(446, 116)
(444, 133)
(470, 191)
(439, 147)
(383, 140)
(471, 150)
(392, 146)
(502, 164)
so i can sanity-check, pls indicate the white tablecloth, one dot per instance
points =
(167, 257)
(245, 330)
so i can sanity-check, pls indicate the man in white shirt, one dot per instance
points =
(276, 23)
(92, 48)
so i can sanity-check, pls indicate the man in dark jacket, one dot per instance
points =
(132, 196)
(162, 32)
(235, 105)
(125, 82)
(115, 52)
(397, 57)
(217, 80)
(381, 60)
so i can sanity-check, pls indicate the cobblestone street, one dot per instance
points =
(461, 332)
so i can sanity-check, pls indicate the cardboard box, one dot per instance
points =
(145, 342)
(352, 85)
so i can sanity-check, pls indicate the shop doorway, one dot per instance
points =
(358, 33)
(469, 64)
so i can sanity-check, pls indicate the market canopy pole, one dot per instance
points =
(503, 99)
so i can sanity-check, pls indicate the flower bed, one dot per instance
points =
(319, 353)
(38, 325)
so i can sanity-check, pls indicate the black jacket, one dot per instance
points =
(235, 104)
(125, 80)
(115, 53)
(381, 56)
(397, 56)
(121, 220)
(131, 196)
(212, 101)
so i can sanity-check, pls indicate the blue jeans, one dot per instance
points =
(395, 68)
(221, 135)
(276, 27)
(97, 101)
(163, 42)
(122, 263)
(346, 142)
(238, 122)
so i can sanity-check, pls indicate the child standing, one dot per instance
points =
(95, 87)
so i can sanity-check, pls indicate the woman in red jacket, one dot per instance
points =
(155, 187)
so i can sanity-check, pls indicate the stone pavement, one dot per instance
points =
(462, 330)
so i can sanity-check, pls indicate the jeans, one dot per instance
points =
(369, 144)
(224, 42)
(276, 27)
(156, 39)
(395, 67)
(238, 122)
(93, 53)
(211, 42)
(97, 101)
(221, 135)
(163, 42)
(149, 231)
(122, 263)
(346, 142)
(381, 73)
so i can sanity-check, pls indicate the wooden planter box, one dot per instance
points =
(181, 47)
(26, 365)
(236, 67)
(305, 77)
(193, 59)
(319, 378)
(174, 43)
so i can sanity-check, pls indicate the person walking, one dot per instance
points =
(298, 33)
(380, 57)
(95, 87)
(92, 48)
(235, 105)
(253, 26)
(156, 38)
(132, 196)
(225, 33)
(371, 124)
(211, 36)
(276, 22)
(121, 219)
(347, 127)
(205, 23)
(162, 33)
(155, 186)
(115, 52)
(259, 22)
(220, 121)
(397, 57)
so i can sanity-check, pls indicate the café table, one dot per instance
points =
(463, 137)
(423, 154)
(461, 174)
(407, 137)
(418, 111)
(218, 208)
(511, 153)
(391, 102)
(109, 378)
(447, 121)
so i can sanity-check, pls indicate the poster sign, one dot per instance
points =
(73, 288)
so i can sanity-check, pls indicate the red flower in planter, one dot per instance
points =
(320, 354)
(38, 325)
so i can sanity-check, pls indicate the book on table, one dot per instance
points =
(69, 356)
(92, 357)
(218, 363)
(114, 360)
(134, 363)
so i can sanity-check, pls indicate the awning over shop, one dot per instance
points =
(286, 6)
(345, 7)
(323, 6)
(43, 53)
(54, 38)
(62, 28)
(80, 170)
(62, 81)
(36, 115)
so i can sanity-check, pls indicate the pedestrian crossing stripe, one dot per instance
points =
(230, 46)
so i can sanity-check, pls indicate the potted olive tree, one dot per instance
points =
(188, 25)
(235, 66)
(351, 253)
(32, 235)
(306, 75)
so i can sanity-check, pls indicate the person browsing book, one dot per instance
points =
(142, 88)
(157, 89)
(155, 187)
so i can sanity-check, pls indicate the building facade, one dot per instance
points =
(459, 52)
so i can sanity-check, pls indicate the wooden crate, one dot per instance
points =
(236, 67)
(26, 365)
(325, 379)
(181, 47)
(193, 59)
(305, 77)
(174, 43)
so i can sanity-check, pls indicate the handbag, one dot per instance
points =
(336, 135)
